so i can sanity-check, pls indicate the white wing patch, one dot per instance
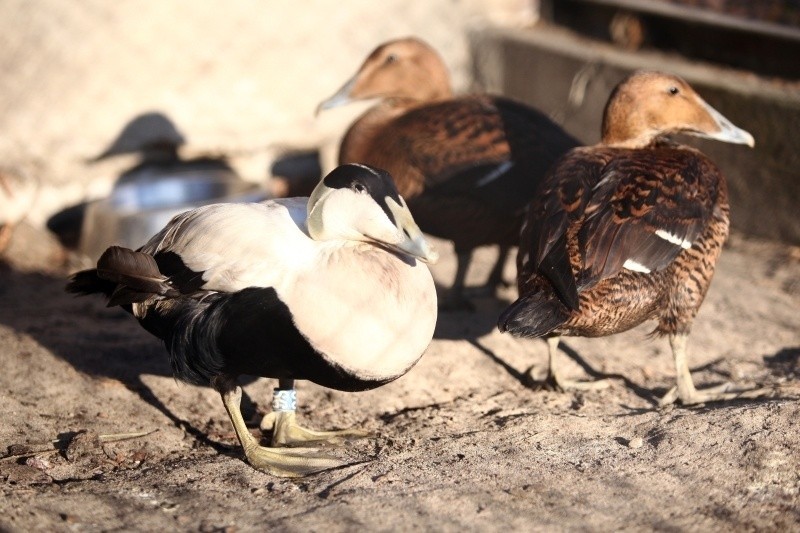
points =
(630, 264)
(501, 169)
(240, 245)
(674, 239)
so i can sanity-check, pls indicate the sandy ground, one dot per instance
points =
(466, 440)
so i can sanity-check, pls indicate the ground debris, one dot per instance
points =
(23, 474)
(83, 444)
(73, 444)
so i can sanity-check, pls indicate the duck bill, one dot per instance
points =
(413, 242)
(342, 97)
(727, 131)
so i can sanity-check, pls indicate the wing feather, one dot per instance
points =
(234, 246)
(610, 210)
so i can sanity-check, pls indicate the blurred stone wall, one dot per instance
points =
(238, 77)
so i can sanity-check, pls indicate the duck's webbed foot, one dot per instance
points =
(289, 462)
(282, 462)
(287, 432)
(687, 394)
(719, 393)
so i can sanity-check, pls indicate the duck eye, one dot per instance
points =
(391, 58)
(673, 90)
(359, 187)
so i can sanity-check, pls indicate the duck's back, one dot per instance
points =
(426, 145)
(238, 245)
(467, 166)
(619, 236)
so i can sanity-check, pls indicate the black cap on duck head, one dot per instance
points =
(366, 180)
(647, 105)
(361, 203)
(408, 69)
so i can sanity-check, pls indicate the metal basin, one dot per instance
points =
(137, 210)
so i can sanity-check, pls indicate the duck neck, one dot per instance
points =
(617, 138)
(356, 144)
(623, 127)
(627, 143)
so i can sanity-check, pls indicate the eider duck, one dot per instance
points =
(330, 288)
(157, 142)
(628, 230)
(466, 165)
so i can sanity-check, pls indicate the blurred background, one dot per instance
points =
(96, 94)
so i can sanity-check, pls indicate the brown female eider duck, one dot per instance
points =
(467, 165)
(328, 288)
(628, 230)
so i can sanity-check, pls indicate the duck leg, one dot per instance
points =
(282, 462)
(285, 429)
(559, 383)
(688, 394)
(495, 278)
(455, 300)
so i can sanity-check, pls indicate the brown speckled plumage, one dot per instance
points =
(628, 230)
(440, 152)
(662, 187)
(466, 165)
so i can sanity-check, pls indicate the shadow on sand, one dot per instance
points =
(93, 339)
(785, 364)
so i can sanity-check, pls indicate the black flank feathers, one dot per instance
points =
(247, 332)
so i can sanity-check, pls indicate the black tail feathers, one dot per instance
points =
(88, 282)
(533, 315)
(124, 276)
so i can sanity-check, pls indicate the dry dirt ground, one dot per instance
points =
(466, 440)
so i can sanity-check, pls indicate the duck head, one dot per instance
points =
(403, 69)
(647, 105)
(361, 203)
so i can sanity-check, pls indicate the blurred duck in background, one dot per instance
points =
(156, 140)
(467, 165)
(629, 230)
(159, 186)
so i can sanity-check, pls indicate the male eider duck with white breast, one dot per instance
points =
(468, 165)
(330, 288)
(629, 230)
